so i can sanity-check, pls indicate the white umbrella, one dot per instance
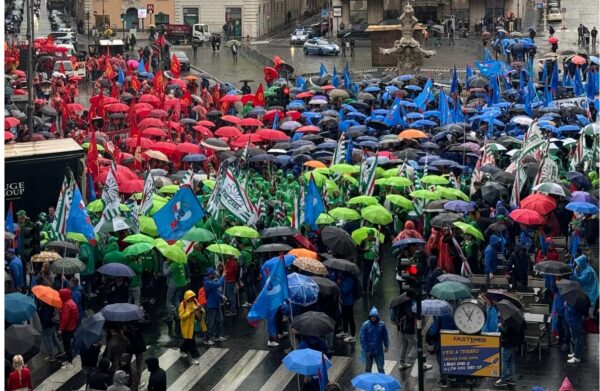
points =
(550, 188)
(522, 120)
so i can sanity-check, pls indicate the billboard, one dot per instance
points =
(470, 355)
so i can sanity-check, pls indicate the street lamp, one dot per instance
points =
(123, 21)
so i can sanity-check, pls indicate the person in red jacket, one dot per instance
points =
(69, 316)
(232, 270)
(552, 254)
(20, 378)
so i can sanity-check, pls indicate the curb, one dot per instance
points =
(199, 70)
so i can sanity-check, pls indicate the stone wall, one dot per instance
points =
(386, 39)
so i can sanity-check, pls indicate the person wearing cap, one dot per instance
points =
(550, 253)
(214, 316)
(15, 268)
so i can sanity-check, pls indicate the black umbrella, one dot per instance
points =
(573, 295)
(326, 286)
(503, 177)
(435, 206)
(89, 332)
(492, 191)
(342, 265)
(122, 312)
(273, 248)
(300, 159)
(478, 82)
(455, 278)
(215, 143)
(377, 125)
(508, 310)
(338, 240)
(553, 268)
(500, 294)
(21, 339)
(312, 323)
(445, 220)
(62, 247)
(403, 298)
(489, 169)
(274, 232)
(265, 157)
(250, 152)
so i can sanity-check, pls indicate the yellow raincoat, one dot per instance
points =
(187, 315)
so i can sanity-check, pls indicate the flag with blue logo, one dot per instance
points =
(468, 76)
(335, 80)
(578, 84)
(393, 116)
(9, 223)
(141, 66)
(300, 82)
(276, 121)
(313, 203)
(179, 215)
(349, 148)
(322, 70)
(425, 96)
(443, 108)
(273, 294)
(90, 188)
(347, 78)
(489, 68)
(121, 77)
(78, 220)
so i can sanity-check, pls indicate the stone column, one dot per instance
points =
(346, 12)
(374, 11)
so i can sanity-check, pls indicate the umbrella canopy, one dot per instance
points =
(399, 200)
(376, 381)
(273, 248)
(338, 240)
(224, 249)
(197, 234)
(582, 207)
(274, 232)
(89, 332)
(376, 214)
(46, 256)
(469, 229)
(346, 214)
(553, 268)
(133, 250)
(550, 188)
(47, 295)
(451, 290)
(326, 286)
(526, 217)
(454, 277)
(541, 203)
(67, 266)
(508, 310)
(243, 232)
(434, 307)
(63, 247)
(138, 238)
(303, 290)
(122, 312)
(116, 270)
(305, 362)
(342, 265)
(573, 295)
(310, 265)
(23, 340)
(445, 220)
(312, 323)
(18, 308)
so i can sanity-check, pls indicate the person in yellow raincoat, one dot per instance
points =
(189, 312)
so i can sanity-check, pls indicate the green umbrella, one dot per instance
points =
(399, 200)
(331, 185)
(224, 249)
(174, 253)
(138, 238)
(76, 237)
(395, 181)
(115, 256)
(450, 193)
(344, 169)
(434, 180)
(364, 200)
(169, 189)
(346, 214)
(148, 226)
(325, 219)
(450, 290)
(361, 234)
(199, 235)
(319, 178)
(136, 249)
(376, 214)
(469, 229)
(390, 172)
(350, 179)
(322, 170)
(95, 206)
(241, 231)
(425, 194)
(210, 183)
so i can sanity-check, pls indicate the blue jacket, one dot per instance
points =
(490, 255)
(587, 278)
(347, 290)
(573, 317)
(16, 271)
(374, 336)
(213, 295)
(77, 296)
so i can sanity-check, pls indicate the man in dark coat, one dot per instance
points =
(158, 376)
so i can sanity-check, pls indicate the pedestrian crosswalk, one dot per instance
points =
(224, 366)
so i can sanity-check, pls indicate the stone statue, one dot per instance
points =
(407, 49)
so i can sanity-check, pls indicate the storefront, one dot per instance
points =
(191, 16)
(161, 18)
(233, 15)
(493, 9)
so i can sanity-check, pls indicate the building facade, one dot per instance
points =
(110, 11)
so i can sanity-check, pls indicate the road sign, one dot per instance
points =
(150, 8)
(142, 13)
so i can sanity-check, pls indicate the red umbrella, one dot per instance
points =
(143, 112)
(148, 98)
(188, 148)
(176, 126)
(578, 60)
(308, 129)
(272, 134)
(132, 186)
(158, 132)
(241, 144)
(11, 122)
(294, 115)
(107, 100)
(231, 98)
(19, 73)
(40, 101)
(252, 137)
(146, 122)
(327, 87)
(228, 131)
(75, 107)
(171, 102)
(552, 40)
(165, 147)
(250, 122)
(541, 203)
(144, 142)
(8, 136)
(204, 131)
(231, 118)
(207, 123)
(270, 115)
(117, 107)
(200, 110)
(527, 217)
(124, 174)
(158, 113)
(302, 95)
(143, 105)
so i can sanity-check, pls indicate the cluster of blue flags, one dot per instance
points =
(272, 296)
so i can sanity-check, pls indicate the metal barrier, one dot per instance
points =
(252, 54)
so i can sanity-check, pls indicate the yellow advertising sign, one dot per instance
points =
(470, 355)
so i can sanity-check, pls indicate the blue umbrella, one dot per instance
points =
(425, 122)
(444, 162)
(405, 77)
(459, 206)
(305, 362)
(122, 312)
(380, 112)
(376, 381)
(568, 128)
(89, 332)
(300, 143)
(356, 114)
(194, 157)
(18, 307)
(582, 207)
(412, 87)
(346, 106)
(283, 159)
(369, 144)
(408, 104)
(257, 111)
(583, 120)
(432, 113)
(434, 307)
(392, 89)
(372, 89)
(408, 242)
(414, 115)
(303, 290)
(116, 270)
(428, 159)
(328, 145)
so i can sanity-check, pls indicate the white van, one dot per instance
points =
(200, 33)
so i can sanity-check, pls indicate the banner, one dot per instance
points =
(234, 198)
(470, 355)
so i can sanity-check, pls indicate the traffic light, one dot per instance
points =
(284, 96)
(411, 275)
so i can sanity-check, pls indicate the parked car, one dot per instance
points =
(554, 15)
(356, 31)
(299, 36)
(183, 59)
(320, 47)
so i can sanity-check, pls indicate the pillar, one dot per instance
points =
(374, 11)
(346, 12)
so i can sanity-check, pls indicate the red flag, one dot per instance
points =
(186, 101)
(138, 152)
(108, 71)
(133, 131)
(114, 92)
(270, 74)
(216, 95)
(92, 155)
(158, 84)
(61, 68)
(259, 97)
(135, 83)
(175, 67)
(277, 61)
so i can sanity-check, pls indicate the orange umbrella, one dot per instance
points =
(315, 164)
(47, 295)
(302, 252)
(156, 155)
(578, 60)
(191, 77)
(412, 134)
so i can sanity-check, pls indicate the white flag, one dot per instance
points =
(146, 204)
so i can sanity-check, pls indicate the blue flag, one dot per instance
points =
(393, 116)
(9, 223)
(457, 114)
(141, 66)
(489, 68)
(301, 83)
(322, 374)
(275, 122)
(78, 220)
(454, 86)
(468, 76)
(592, 85)
(422, 99)
(578, 84)
(554, 82)
(486, 55)
(335, 80)
(121, 77)
(313, 204)
(355, 88)
(179, 215)
(443, 107)
(273, 294)
(349, 148)
(90, 188)
(527, 101)
(322, 70)
(347, 78)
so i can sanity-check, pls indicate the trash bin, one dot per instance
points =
(518, 24)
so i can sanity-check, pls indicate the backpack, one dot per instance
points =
(202, 297)
(395, 315)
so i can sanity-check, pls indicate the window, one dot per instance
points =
(358, 11)
(161, 18)
(190, 16)
(234, 16)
